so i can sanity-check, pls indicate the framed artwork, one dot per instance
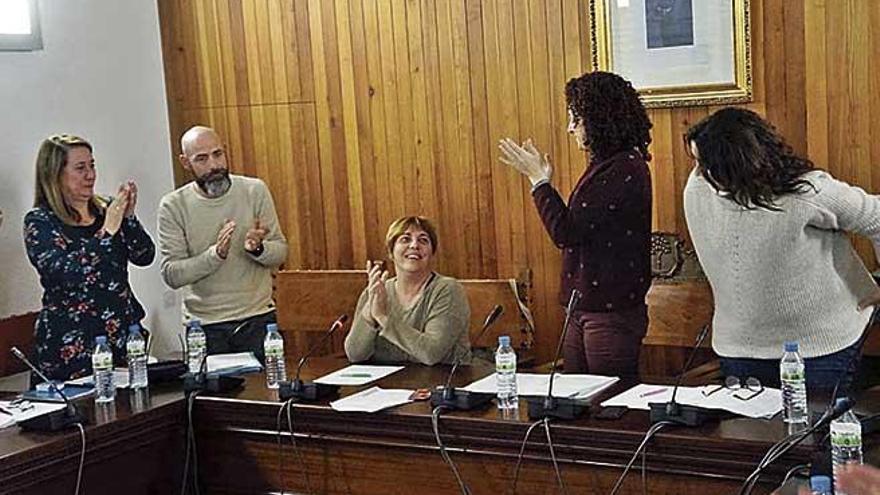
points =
(675, 52)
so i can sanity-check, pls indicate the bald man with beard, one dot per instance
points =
(220, 240)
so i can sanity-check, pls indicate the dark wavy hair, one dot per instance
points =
(743, 156)
(612, 113)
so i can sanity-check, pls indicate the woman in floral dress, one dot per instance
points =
(81, 244)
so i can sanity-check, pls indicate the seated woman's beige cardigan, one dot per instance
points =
(434, 329)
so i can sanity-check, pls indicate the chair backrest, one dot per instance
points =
(516, 320)
(309, 300)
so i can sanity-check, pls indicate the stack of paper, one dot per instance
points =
(16, 412)
(120, 379)
(373, 400)
(765, 405)
(530, 384)
(237, 363)
(357, 374)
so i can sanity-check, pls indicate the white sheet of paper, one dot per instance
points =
(765, 405)
(237, 361)
(25, 411)
(120, 379)
(535, 385)
(372, 400)
(357, 374)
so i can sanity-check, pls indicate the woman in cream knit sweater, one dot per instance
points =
(770, 231)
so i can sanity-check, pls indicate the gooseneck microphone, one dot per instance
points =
(556, 407)
(55, 420)
(463, 400)
(682, 414)
(303, 392)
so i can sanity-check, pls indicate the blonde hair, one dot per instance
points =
(51, 159)
(399, 226)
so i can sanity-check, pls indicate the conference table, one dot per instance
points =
(395, 451)
(139, 448)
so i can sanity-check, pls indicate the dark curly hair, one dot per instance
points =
(743, 156)
(612, 113)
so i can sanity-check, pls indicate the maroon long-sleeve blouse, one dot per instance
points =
(604, 232)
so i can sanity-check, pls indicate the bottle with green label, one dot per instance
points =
(794, 386)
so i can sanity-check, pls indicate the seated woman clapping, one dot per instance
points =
(417, 316)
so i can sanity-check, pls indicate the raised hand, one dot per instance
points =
(224, 238)
(526, 159)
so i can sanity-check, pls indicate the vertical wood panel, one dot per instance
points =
(358, 111)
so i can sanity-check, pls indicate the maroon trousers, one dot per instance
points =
(605, 343)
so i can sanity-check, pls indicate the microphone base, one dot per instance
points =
(53, 421)
(306, 392)
(199, 382)
(165, 371)
(680, 414)
(459, 400)
(557, 408)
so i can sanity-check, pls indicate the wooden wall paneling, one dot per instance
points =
(440, 153)
(795, 68)
(837, 92)
(423, 111)
(334, 183)
(402, 80)
(358, 111)
(311, 194)
(395, 168)
(377, 93)
(451, 173)
(874, 96)
(251, 34)
(363, 139)
(774, 34)
(350, 122)
(500, 176)
(816, 82)
(470, 227)
(483, 143)
(860, 116)
(225, 45)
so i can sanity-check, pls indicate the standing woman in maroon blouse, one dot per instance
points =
(605, 229)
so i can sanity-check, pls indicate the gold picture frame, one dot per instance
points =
(675, 52)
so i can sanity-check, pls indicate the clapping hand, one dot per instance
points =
(116, 210)
(132, 198)
(224, 238)
(376, 308)
(526, 159)
(253, 239)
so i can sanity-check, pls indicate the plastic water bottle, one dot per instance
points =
(846, 443)
(820, 485)
(273, 346)
(102, 367)
(136, 348)
(195, 346)
(505, 376)
(794, 385)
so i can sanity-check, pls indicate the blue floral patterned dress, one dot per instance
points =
(84, 274)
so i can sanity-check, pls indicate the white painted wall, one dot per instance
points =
(99, 76)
